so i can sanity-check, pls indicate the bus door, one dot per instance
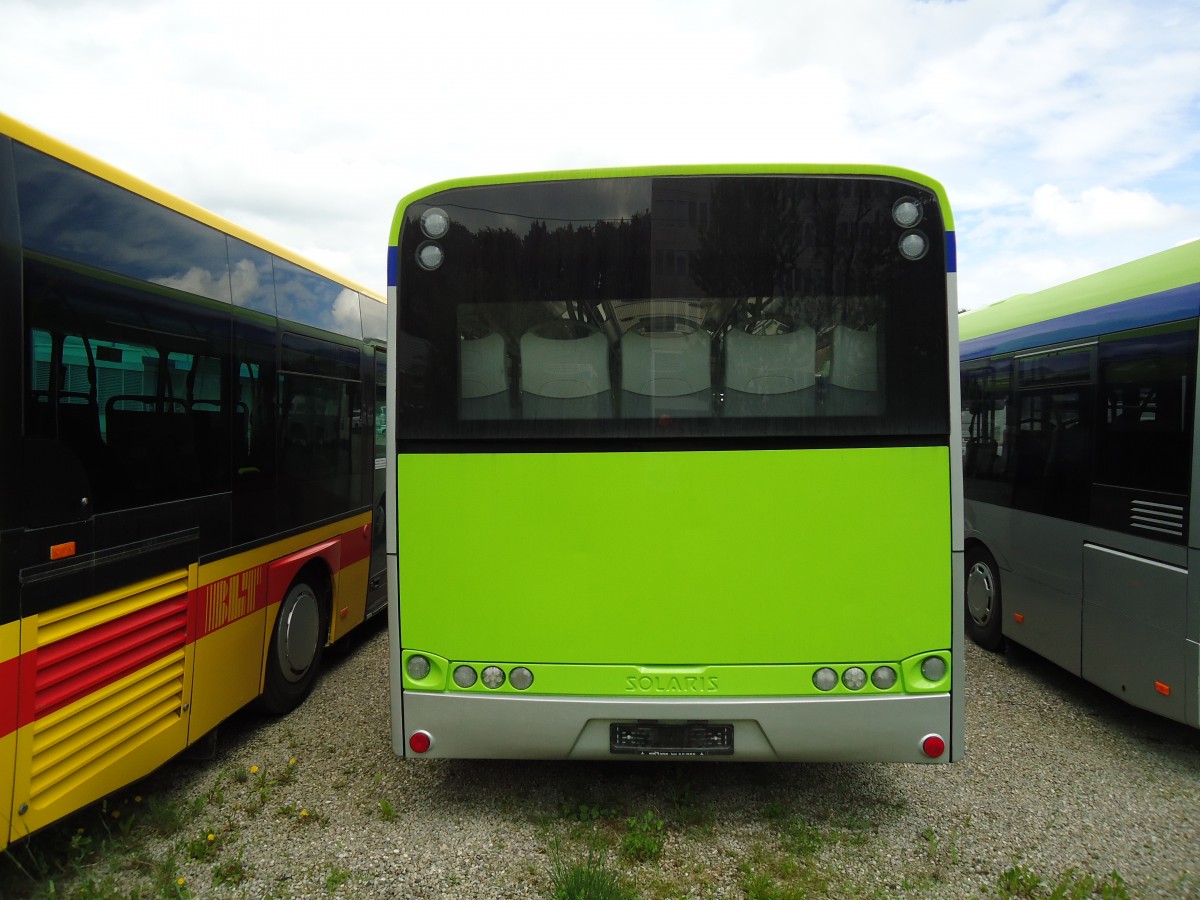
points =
(1052, 488)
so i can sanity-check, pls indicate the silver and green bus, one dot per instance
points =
(674, 466)
(1079, 437)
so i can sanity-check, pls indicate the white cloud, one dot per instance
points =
(307, 127)
(1102, 210)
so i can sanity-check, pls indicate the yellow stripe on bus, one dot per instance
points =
(55, 624)
(232, 565)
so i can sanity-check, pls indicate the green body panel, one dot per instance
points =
(1152, 274)
(653, 171)
(697, 558)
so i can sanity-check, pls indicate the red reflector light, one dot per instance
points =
(420, 742)
(1164, 689)
(933, 746)
(62, 551)
(1019, 617)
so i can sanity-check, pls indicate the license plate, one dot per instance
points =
(670, 739)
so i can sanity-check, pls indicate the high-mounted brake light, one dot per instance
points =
(430, 256)
(435, 223)
(906, 212)
(913, 245)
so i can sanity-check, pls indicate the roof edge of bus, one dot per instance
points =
(39, 140)
(683, 169)
(1165, 270)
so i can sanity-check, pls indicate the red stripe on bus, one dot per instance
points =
(76, 666)
(9, 672)
(38, 682)
(356, 545)
(224, 601)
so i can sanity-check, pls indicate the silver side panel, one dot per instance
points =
(1134, 622)
(816, 729)
(958, 661)
(390, 522)
(958, 718)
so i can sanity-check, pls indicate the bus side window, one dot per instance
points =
(1053, 453)
(987, 433)
(319, 472)
(1144, 433)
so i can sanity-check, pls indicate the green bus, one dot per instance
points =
(1079, 442)
(673, 466)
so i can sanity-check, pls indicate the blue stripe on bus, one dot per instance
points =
(1153, 309)
(951, 252)
(392, 264)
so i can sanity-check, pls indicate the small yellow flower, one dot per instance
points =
(211, 838)
(180, 880)
(137, 798)
(304, 813)
(254, 770)
(292, 761)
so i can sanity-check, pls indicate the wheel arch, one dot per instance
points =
(315, 564)
(975, 540)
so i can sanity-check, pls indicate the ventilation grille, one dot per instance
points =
(109, 675)
(1161, 518)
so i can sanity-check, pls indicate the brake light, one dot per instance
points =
(933, 746)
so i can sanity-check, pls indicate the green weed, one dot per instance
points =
(645, 838)
(587, 879)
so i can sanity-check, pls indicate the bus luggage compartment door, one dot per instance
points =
(1134, 638)
(103, 695)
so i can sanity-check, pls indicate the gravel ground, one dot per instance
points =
(1059, 779)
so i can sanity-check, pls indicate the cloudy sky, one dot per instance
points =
(1066, 132)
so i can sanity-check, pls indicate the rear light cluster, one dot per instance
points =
(492, 677)
(924, 675)
(854, 678)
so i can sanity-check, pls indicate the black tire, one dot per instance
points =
(982, 598)
(298, 642)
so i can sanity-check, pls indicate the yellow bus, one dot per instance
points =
(189, 440)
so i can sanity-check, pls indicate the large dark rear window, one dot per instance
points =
(698, 307)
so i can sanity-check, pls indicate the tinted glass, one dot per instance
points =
(322, 450)
(69, 214)
(1144, 434)
(251, 276)
(1071, 366)
(685, 306)
(374, 319)
(1053, 431)
(986, 430)
(131, 383)
(303, 296)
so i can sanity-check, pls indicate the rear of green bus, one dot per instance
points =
(672, 467)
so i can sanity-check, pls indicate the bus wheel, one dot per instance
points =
(294, 655)
(984, 609)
